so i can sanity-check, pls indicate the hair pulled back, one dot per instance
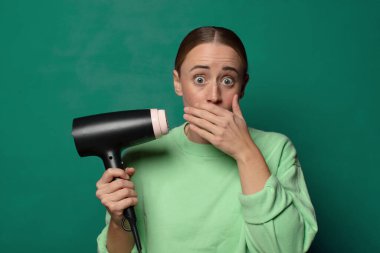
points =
(208, 34)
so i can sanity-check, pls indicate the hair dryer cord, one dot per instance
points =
(132, 228)
(124, 226)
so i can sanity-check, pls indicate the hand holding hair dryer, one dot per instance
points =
(105, 135)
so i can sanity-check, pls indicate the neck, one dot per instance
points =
(193, 136)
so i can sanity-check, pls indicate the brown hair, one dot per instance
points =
(211, 34)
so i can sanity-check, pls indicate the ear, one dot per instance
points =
(177, 83)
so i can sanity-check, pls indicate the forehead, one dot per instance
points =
(213, 54)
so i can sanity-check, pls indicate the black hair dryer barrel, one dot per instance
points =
(105, 135)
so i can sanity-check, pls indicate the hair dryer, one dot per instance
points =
(105, 135)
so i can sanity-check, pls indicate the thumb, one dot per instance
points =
(236, 107)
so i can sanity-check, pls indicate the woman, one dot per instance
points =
(212, 184)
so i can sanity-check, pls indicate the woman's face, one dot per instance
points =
(212, 73)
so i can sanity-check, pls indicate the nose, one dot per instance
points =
(214, 94)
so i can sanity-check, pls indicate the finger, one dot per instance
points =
(212, 108)
(203, 114)
(114, 186)
(109, 175)
(130, 171)
(121, 205)
(121, 194)
(202, 123)
(236, 107)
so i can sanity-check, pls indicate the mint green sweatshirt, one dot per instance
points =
(190, 199)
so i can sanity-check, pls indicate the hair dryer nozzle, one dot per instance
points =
(159, 122)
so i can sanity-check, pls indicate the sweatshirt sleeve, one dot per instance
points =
(280, 218)
(102, 237)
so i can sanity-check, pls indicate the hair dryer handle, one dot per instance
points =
(112, 159)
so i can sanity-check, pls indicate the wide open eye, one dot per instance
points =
(227, 81)
(199, 80)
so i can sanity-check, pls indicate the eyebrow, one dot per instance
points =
(199, 67)
(230, 68)
(207, 67)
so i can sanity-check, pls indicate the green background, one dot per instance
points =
(314, 69)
